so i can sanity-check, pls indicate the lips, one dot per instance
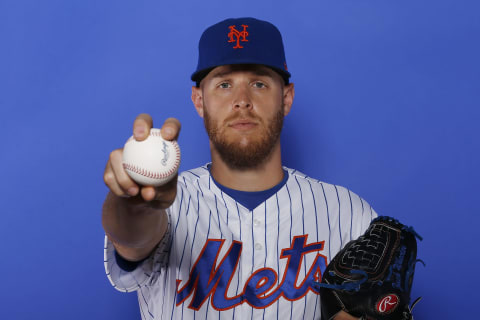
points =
(242, 124)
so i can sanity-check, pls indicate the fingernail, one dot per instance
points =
(139, 132)
(168, 131)
(132, 191)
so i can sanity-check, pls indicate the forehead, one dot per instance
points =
(254, 69)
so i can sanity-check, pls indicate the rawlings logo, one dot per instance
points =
(387, 304)
(211, 276)
(166, 154)
(239, 35)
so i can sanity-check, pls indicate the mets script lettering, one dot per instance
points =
(239, 35)
(166, 154)
(262, 288)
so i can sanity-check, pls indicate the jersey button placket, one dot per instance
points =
(259, 246)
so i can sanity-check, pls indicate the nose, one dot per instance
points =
(242, 98)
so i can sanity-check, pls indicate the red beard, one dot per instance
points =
(239, 155)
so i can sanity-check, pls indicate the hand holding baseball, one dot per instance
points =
(121, 183)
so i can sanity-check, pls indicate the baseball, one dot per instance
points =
(153, 161)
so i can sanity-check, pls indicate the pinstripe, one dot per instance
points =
(314, 208)
(316, 224)
(253, 241)
(195, 230)
(351, 213)
(225, 205)
(208, 233)
(146, 303)
(180, 265)
(253, 252)
(198, 197)
(291, 216)
(181, 261)
(218, 217)
(239, 220)
(199, 188)
(265, 230)
(303, 232)
(141, 310)
(173, 307)
(186, 214)
(240, 265)
(266, 246)
(329, 228)
(143, 297)
(278, 253)
(194, 236)
(175, 230)
(339, 218)
(216, 209)
(186, 237)
(291, 224)
(164, 294)
(189, 171)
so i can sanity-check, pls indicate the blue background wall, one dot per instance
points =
(387, 105)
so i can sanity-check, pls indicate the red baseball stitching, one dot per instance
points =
(156, 175)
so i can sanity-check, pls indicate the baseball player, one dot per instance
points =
(241, 237)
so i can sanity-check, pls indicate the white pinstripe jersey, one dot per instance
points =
(220, 260)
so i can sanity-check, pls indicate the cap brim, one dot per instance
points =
(200, 74)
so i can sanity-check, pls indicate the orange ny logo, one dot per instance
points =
(241, 36)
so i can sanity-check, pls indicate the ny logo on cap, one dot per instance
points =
(241, 36)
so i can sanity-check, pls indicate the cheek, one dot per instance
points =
(211, 120)
(267, 108)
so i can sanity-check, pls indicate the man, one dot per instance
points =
(241, 237)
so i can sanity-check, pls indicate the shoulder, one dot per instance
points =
(302, 179)
(331, 193)
(194, 175)
(190, 185)
(348, 213)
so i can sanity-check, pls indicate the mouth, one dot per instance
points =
(242, 124)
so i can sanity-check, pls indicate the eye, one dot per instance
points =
(224, 85)
(259, 84)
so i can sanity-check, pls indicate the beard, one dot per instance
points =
(245, 152)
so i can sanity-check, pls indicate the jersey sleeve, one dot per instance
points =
(145, 273)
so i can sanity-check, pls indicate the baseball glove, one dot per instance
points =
(371, 277)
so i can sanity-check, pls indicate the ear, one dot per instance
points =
(288, 95)
(197, 100)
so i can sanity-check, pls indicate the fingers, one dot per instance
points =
(163, 195)
(120, 183)
(171, 129)
(116, 178)
(141, 126)
(143, 123)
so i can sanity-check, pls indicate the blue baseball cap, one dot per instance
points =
(241, 41)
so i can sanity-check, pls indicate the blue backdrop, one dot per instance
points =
(388, 97)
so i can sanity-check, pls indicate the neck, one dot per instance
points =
(264, 176)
